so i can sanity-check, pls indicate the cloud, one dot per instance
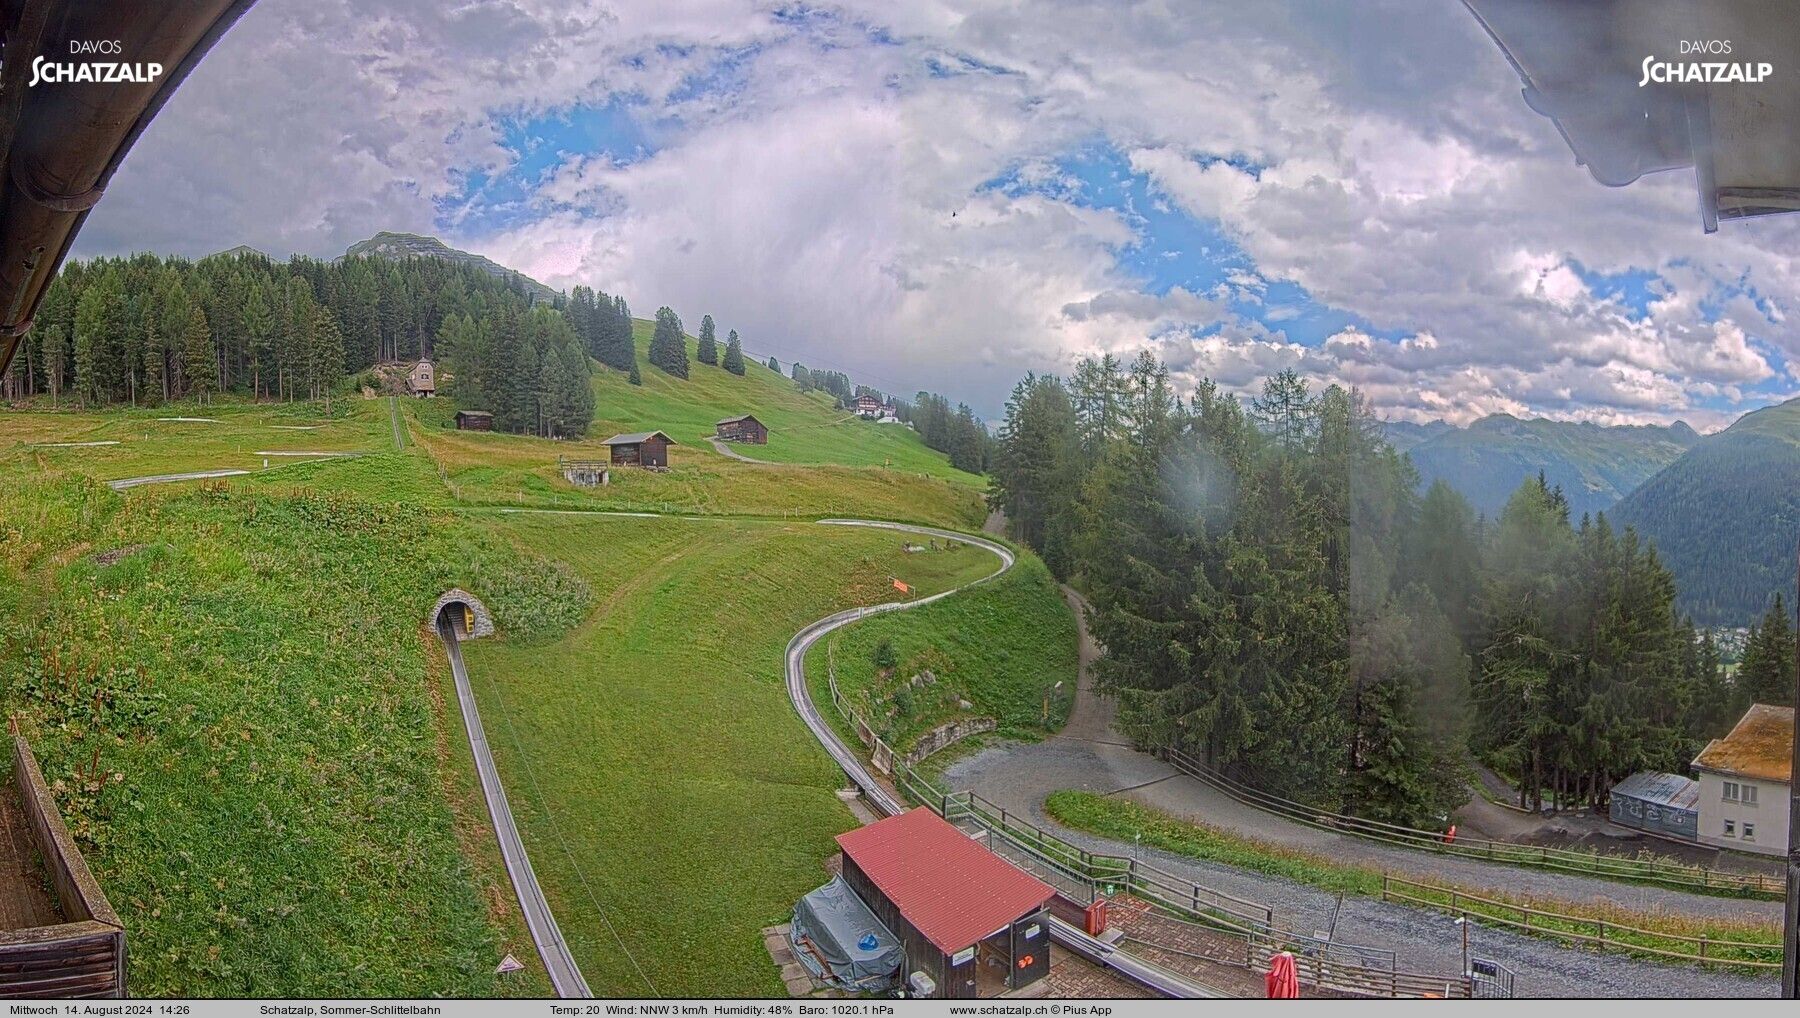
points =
(820, 179)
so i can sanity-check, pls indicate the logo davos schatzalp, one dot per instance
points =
(1703, 72)
(52, 72)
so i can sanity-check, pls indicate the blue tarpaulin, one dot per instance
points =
(840, 941)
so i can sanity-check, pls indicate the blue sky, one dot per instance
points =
(947, 196)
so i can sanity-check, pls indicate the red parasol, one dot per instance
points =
(1284, 982)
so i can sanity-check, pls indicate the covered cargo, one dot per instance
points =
(840, 941)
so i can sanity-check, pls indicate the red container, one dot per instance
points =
(1096, 917)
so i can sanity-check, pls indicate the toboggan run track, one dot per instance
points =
(559, 962)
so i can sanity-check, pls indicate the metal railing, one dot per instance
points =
(1643, 870)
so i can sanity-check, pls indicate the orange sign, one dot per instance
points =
(902, 588)
(1025, 962)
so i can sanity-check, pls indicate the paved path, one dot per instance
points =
(1145, 973)
(198, 475)
(1090, 754)
(565, 975)
(725, 449)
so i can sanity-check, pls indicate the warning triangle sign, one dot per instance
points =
(508, 964)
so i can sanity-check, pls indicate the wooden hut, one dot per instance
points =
(744, 428)
(474, 420)
(422, 380)
(60, 936)
(640, 449)
(971, 923)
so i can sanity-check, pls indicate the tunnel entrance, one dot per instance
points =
(462, 614)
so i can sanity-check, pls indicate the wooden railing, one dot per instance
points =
(1597, 933)
(1640, 870)
(84, 956)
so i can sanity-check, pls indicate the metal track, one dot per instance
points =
(1152, 977)
(565, 975)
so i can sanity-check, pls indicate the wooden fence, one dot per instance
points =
(84, 956)
(1599, 934)
(1640, 870)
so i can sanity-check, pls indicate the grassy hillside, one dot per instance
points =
(232, 434)
(1724, 516)
(672, 800)
(1595, 465)
(803, 427)
(280, 807)
(1002, 648)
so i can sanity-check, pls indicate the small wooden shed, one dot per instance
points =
(61, 937)
(474, 420)
(971, 923)
(743, 428)
(422, 380)
(640, 449)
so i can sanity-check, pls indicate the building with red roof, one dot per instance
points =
(969, 921)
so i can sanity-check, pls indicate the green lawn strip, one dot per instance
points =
(269, 813)
(1002, 647)
(230, 437)
(1125, 820)
(673, 802)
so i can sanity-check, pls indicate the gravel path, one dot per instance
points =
(726, 450)
(1089, 755)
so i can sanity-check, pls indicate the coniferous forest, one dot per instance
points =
(1275, 597)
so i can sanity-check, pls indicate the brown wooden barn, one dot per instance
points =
(640, 449)
(971, 923)
(744, 428)
(474, 420)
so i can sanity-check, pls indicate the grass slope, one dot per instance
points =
(673, 802)
(48, 440)
(1002, 647)
(279, 807)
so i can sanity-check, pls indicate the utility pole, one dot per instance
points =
(1790, 951)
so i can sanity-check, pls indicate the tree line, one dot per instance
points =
(1275, 596)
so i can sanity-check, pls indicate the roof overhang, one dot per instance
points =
(61, 141)
(1587, 65)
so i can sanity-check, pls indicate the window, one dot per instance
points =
(1749, 831)
(1747, 794)
(1731, 828)
(1731, 791)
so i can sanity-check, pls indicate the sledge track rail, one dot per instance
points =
(1146, 974)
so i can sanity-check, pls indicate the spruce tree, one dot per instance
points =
(635, 378)
(1766, 674)
(668, 346)
(734, 354)
(707, 351)
(199, 355)
(774, 365)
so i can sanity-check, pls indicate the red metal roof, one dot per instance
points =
(951, 889)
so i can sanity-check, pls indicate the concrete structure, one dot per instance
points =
(743, 428)
(474, 420)
(1744, 783)
(971, 923)
(640, 449)
(470, 618)
(422, 380)
(584, 473)
(1665, 804)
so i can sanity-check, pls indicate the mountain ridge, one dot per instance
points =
(393, 244)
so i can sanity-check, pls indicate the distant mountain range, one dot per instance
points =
(411, 245)
(1725, 516)
(1595, 465)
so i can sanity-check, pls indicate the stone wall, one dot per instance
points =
(484, 620)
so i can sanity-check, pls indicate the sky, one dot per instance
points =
(946, 194)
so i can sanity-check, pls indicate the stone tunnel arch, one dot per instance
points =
(450, 607)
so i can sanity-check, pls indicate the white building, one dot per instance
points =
(1744, 781)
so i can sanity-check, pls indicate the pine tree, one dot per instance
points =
(668, 348)
(1766, 673)
(708, 349)
(635, 378)
(734, 354)
(325, 356)
(774, 365)
(199, 356)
